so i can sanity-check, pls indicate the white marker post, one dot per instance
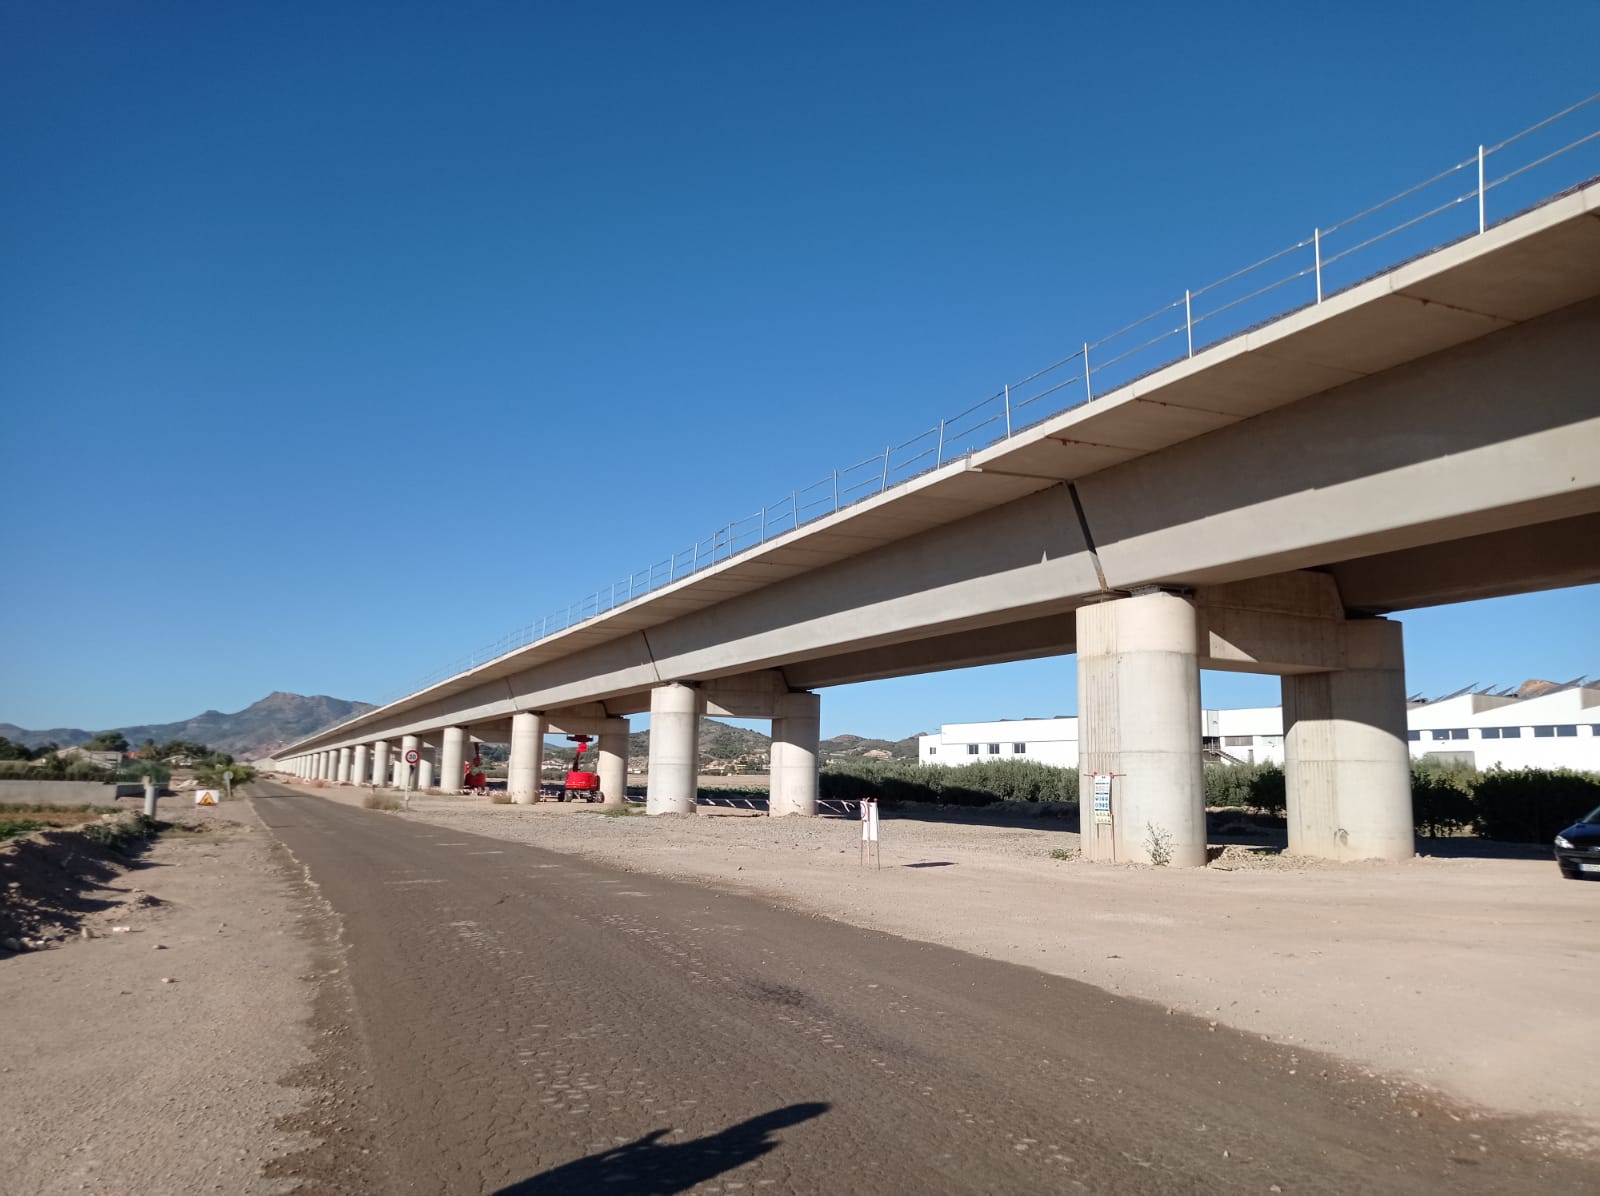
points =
(869, 831)
(227, 781)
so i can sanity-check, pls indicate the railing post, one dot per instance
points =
(1188, 320)
(613, 596)
(1316, 248)
(836, 490)
(883, 482)
(939, 459)
(694, 566)
(1008, 411)
(794, 504)
(1481, 224)
(672, 570)
(1088, 387)
(763, 525)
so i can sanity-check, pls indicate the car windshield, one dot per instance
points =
(1593, 815)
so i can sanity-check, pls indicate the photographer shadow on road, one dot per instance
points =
(647, 1165)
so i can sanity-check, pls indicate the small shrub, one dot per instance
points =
(499, 797)
(122, 833)
(1063, 853)
(12, 827)
(1158, 844)
(377, 801)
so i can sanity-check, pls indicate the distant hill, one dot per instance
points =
(258, 730)
(856, 745)
(721, 743)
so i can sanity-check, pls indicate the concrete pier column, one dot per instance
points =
(404, 772)
(360, 766)
(452, 759)
(674, 750)
(380, 763)
(1347, 771)
(425, 768)
(344, 766)
(1139, 719)
(527, 753)
(322, 766)
(795, 733)
(612, 762)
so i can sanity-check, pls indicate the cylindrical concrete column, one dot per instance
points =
(527, 754)
(322, 767)
(1139, 719)
(344, 766)
(452, 759)
(612, 765)
(360, 767)
(425, 768)
(1347, 770)
(795, 734)
(674, 750)
(380, 764)
(404, 774)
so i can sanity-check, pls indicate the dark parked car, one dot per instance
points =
(1578, 848)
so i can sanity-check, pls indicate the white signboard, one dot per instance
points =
(1102, 797)
(205, 797)
(869, 820)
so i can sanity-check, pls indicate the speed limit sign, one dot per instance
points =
(412, 755)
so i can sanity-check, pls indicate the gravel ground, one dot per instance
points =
(148, 1058)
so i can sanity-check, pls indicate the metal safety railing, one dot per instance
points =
(1539, 164)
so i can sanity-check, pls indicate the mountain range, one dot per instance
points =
(282, 718)
(257, 730)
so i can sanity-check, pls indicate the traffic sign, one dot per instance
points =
(412, 755)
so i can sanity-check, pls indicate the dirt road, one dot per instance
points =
(534, 1022)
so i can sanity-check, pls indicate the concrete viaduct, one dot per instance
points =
(1430, 435)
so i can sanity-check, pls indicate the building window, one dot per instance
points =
(994, 749)
(1458, 732)
(1567, 730)
(1510, 732)
(1489, 733)
(933, 751)
(1544, 732)
(1236, 740)
(972, 749)
(1019, 749)
(1438, 735)
(1414, 736)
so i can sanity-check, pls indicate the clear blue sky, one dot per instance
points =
(337, 340)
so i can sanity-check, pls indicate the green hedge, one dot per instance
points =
(1256, 787)
(980, 784)
(1531, 805)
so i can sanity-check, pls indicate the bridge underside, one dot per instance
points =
(1430, 437)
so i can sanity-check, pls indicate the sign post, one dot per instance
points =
(227, 781)
(1101, 797)
(869, 831)
(411, 757)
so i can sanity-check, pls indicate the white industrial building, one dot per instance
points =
(1558, 729)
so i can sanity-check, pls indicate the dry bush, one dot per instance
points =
(500, 798)
(376, 801)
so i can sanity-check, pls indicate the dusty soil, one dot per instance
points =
(1475, 977)
(148, 1057)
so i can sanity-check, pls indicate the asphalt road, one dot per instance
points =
(528, 1022)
